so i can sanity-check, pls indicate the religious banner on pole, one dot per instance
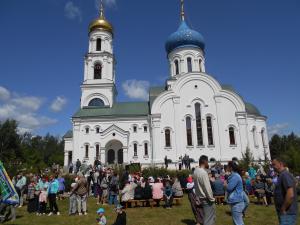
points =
(8, 192)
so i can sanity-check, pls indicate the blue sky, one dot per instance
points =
(252, 45)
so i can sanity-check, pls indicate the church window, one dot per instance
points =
(97, 151)
(231, 136)
(98, 44)
(146, 149)
(134, 129)
(97, 130)
(254, 137)
(198, 124)
(200, 67)
(209, 130)
(87, 130)
(98, 71)
(96, 102)
(135, 149)
(176, 67)
(145, 129)
(189, 131)
(263, 137)
(168, 137)
(86, 151)
(189, 64)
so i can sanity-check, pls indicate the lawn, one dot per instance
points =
(179, 215)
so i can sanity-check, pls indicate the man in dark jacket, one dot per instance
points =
(121, 217)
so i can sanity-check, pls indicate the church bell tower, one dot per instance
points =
(98, 87)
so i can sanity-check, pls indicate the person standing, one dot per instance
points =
(166, 162)
(235, 196)
(71, 168)
(21, 186)
(52, 192)
(285, 197)
(204, 192)
(81, 191)
(114, 189)
(78, 165)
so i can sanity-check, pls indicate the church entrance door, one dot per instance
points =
(114, 152)
(110, 156)
(120, 156)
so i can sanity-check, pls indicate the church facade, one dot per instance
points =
(192, 114)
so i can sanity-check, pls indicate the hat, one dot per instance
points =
(119, 206)
(189, 179)
(100, 210)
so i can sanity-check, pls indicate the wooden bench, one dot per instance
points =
(219, 199)
(142, 202)
(177, 200)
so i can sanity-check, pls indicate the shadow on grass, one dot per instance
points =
(188, 222)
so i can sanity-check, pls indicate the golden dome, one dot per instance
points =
(101, 23)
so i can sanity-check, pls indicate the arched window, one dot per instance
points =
(263, 137)
(86, 151)
(189, 131)
(98, 44)
(97, 71)
(176, 67)
(198, 124)
(97, 151)
(231, 136)
(87, 130)
(168, 137)
(209, 131)
(96, 102)
(97, 130)
(189, 64)
(135, 149)
(146, 149)
(254, 137)
(134, 128)
(200, 66)
(145, 129)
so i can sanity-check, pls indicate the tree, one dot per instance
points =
(247, 159)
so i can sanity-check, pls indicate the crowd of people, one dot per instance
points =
(202, 186)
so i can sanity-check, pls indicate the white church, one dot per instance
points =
(191, 114)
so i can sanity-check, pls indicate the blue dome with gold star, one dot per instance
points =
(184, 37)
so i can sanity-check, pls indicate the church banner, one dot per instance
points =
(8, 192)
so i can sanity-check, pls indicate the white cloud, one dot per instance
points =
(58, 104)
(4, 94)
(107, 3)
(24, 109)
(72, 11)
(30, 103)
(280, 128)
(136, 89)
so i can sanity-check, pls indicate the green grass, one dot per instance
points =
(179, 215)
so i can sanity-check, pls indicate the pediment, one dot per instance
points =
(114, 129)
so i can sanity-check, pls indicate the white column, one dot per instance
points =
(156, 138)
(102, 155)
(66, 157)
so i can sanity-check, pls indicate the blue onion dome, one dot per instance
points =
(184, 37)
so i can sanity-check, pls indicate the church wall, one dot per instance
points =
(93, 138)
(256, 145)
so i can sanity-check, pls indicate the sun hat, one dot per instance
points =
(100, 210)
(119, 206)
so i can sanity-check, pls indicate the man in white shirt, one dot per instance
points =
(204, 192)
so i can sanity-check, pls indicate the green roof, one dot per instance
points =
(252, 109)
(122, 109)
(69, 134)
(154, 92)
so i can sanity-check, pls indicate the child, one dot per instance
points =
(102, 219)
(43, 200)
(72, 202)
(121, 217)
